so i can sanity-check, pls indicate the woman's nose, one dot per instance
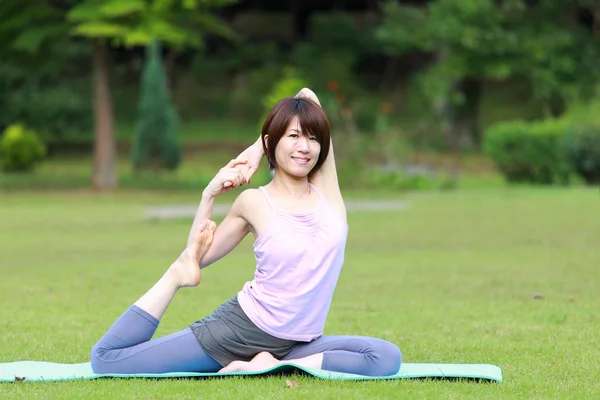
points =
(303, 144)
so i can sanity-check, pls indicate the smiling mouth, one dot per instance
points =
(302, 161)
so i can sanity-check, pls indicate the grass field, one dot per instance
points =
(450, 280)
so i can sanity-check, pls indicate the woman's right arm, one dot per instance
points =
(229, 233)
(229, 177)
(234, 227)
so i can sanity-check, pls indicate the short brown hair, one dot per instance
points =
(313, 121)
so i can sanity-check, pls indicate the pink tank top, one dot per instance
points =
(299, 257)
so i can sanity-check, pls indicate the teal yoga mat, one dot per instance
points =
(40, 371)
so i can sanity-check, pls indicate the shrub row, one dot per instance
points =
(546, 152)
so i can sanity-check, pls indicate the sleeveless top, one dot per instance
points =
(299, 257)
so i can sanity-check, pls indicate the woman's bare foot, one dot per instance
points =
(186, 270)
(260, 362)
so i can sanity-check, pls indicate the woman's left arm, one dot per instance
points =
(326, 178)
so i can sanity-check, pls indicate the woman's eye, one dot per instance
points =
(293, 135)
(313, 138)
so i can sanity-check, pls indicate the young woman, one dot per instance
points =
(299, 223)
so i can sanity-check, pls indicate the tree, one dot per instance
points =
(155, 145)
(36, 56)
(133, 23)
(472, 40)
(30, 32)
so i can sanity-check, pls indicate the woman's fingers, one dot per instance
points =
(235, 162)
(251, 171)
(203, 226)
(236, 173)
(233, 178)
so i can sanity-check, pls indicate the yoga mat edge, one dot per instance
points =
(42, 371)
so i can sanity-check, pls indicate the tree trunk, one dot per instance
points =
(596, 23)
(300, 15)
(466, 121)
(105, 153)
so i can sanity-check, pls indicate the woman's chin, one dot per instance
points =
(297, 172)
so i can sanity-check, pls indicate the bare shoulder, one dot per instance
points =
(246, 201)
(253, 207)
(248, 196)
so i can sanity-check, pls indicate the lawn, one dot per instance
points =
(500, 276)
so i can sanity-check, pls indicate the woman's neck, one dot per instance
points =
(291, 185)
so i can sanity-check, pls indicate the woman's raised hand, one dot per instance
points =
(306, 93)
(229, 177)
(253, 156)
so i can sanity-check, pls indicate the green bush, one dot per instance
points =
(20, 149)
(582, 147)
(403, 181)
(529, 152)
(288, 86)
(155, 144)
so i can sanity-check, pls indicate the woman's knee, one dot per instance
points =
(97, 358)
(388, 358)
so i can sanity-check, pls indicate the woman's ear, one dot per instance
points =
(266, 140)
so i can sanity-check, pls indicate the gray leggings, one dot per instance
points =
(127, 348)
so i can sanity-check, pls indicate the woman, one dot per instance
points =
(299, 222)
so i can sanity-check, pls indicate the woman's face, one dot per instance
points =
(297, 152)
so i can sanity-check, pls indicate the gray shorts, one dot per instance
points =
(228, 335)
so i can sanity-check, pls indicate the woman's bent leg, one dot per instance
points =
(127, 349)
(351, 354)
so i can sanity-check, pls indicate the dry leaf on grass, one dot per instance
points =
(291, 384)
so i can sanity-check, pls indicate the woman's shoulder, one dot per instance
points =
(249, 196)
(252, 206)
(249, 200)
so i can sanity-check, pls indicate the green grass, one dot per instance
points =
(58, 173)
(450, 280)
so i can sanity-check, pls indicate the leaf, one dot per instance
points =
(212, 24)
(86, 11)
(137, 37)
(121, 8)
(31, 39)
(169, 33)
(21, 17)
(100, 29)
(291, 384)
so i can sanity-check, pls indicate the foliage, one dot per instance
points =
(155, 144)
(287, 86)
(20, 149)
(402, 181)
(54, 110)
(332, 51)
(139, 22)
(582, 147)
(496, 40)
(529, 152)
(40, 71)
(37, 29)
(329, 60)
